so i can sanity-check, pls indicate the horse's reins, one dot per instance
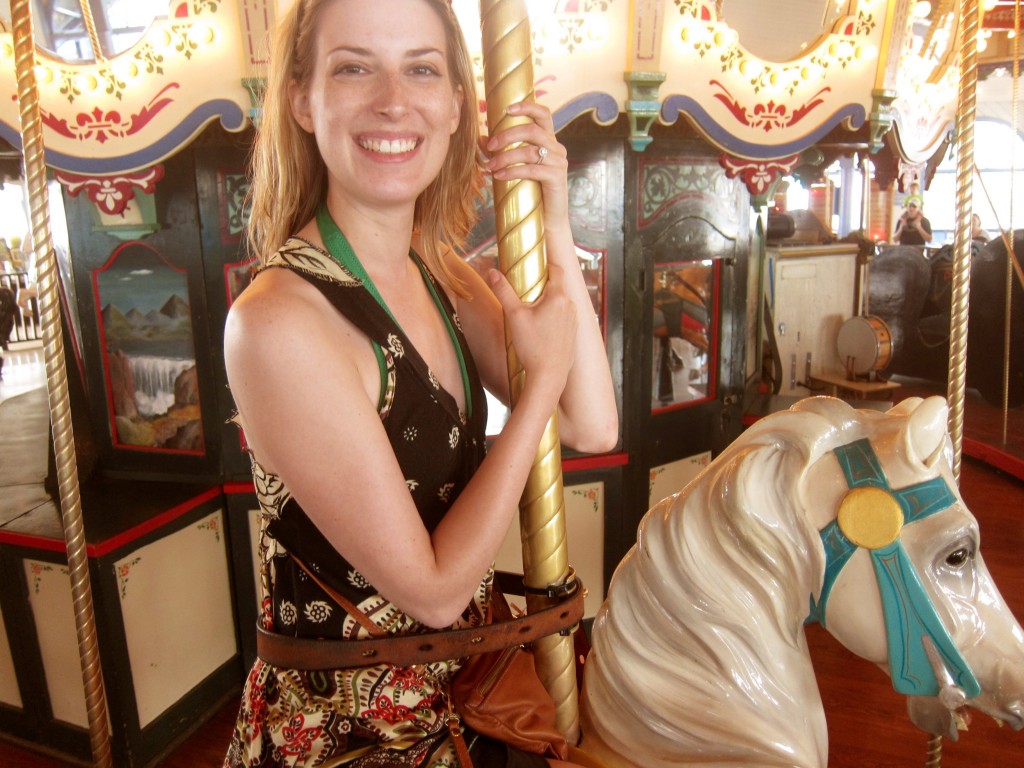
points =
(872, 515)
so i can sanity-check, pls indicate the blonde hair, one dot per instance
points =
(289, 178)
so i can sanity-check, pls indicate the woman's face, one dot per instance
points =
(380, 99)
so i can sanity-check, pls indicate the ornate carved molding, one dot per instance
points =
(760, 176)
(111, 194)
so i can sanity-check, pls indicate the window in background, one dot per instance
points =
(995, 147)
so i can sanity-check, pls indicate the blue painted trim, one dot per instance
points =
(232, 118)
(909, 616)
(604, 107)
(676, 104)
(909, 612)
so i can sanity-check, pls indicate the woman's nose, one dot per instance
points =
(391, 100)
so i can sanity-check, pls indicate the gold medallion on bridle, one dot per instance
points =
(870, 517)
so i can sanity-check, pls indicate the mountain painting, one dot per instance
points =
(149, 352)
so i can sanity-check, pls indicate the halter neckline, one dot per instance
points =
(340, 250)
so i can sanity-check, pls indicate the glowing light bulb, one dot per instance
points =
(922, 9)
(201, 33)
(86, 81)
(125, 68)
(43, 73)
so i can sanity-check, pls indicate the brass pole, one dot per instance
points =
(57, 383)
(1011, 255)
(508, 78)
(960, 302)
(956, 381)
(90, 27)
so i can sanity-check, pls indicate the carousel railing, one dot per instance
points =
(26, 324)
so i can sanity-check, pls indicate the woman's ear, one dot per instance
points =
(298, 98)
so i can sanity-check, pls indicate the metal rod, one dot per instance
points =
(1011, 255)
(961, 289)
(508, 78)
(57, 383)
(90, 26)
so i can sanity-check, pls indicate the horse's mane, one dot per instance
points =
(701, 636)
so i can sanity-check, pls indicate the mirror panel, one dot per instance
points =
(773, 35)
(682, 333)
(59, 26)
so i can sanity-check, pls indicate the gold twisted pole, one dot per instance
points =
(508, 79)
(1008, 238)
(961, 288)
(90, 27)
(57, 383)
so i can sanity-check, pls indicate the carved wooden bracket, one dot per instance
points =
(760, 176)
(112, 194)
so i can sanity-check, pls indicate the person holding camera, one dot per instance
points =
(913, 228)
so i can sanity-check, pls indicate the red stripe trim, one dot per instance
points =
(595, 462)
(108, 546)
(125, 537)
(32, 542)
(239, 487)
(995, 457)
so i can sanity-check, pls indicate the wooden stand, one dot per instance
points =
(837, 385)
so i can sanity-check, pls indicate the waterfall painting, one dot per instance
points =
(149, 360)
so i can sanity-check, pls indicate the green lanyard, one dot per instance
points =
(338, 246)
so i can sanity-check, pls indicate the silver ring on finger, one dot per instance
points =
(542, 152)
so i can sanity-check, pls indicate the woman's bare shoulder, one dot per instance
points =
(285, 316)
(274, 299)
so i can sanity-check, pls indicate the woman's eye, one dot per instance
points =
(348, 69)
(424, 69)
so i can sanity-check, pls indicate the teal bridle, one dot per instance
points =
(872, 516)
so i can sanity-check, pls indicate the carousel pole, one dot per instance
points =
(56, 383)
(1008, 237)
(90, 27)
(960, 302)
(508, 78)
(961, 288)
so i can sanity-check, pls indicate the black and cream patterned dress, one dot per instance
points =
(382, 714)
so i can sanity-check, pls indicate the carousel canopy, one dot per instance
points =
(760, 85)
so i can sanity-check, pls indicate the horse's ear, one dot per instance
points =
(925, 431)
(906, 405)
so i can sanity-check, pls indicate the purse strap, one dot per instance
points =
(350, 607)
(408, 650)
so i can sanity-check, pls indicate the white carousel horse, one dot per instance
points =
(822, 512)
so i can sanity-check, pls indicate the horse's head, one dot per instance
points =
(905, 585)
(852, 516)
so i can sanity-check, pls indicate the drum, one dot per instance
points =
(864, 344)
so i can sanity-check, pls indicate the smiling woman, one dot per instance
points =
(382, 514)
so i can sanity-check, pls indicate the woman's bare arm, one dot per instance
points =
(304, 381)
(587, 415)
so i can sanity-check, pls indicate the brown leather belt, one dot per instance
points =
(408, 650)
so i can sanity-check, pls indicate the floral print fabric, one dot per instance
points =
(382, 714)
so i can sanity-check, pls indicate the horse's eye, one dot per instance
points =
(959, 557)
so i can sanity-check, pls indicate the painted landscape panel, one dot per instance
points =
(149, 352)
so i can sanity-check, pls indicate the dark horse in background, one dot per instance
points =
(912, 294)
